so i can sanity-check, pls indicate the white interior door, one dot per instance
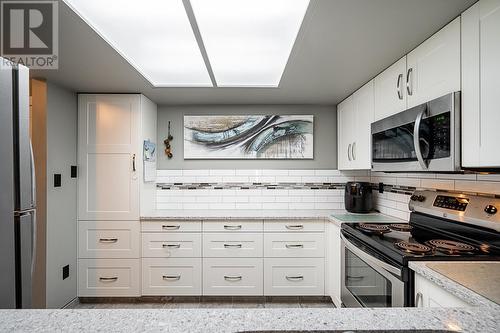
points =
(390, 91)
(108, 155)
(433, 68)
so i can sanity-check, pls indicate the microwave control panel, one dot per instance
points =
(454, 203)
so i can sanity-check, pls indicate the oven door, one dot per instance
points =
(367, 281)
(423, 138)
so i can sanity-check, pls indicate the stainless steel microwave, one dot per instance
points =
(425, 138)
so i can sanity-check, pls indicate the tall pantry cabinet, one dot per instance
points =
(111, 132)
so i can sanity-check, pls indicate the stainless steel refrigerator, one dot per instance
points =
(17, 189)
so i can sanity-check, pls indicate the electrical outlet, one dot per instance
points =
(74, 172)
(57, 180)
(380, 187)
(65, 272)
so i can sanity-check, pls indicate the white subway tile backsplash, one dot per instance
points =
(395, 204)
(301, 172)
(439, 184)
(222, 172)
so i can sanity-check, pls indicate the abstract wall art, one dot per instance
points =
(249, 137)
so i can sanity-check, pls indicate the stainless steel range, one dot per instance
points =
(443, 226)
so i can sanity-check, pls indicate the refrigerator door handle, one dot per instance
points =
(33, 177)
(33, 243)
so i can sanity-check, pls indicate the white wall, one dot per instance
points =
(325, 136)
(61, 201)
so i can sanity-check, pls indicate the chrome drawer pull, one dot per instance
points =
(108, 279)
(233, 245)
(294, 226)
(108, 240)
(171, 277)
(294, 246)
(355, 278)
(232, 278)
(174, 246)
(232, 227)
(295, 278)
(170, 227)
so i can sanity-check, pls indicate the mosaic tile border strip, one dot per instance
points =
(247, 186)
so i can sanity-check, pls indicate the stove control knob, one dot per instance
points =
(419, 198)
(491, 210)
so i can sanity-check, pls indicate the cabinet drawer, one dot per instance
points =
(232, 276)
(108, 277)
(171, 276)
(108, 239)
(233, 226)
(156, 245)
(171, 226)
(294, 226)
(294, 245)
(294, 276)
(218, 245)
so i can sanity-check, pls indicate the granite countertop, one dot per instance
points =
(335, 216)
(482, 320)
(477, 283)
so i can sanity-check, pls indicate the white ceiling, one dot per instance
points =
(341, 45)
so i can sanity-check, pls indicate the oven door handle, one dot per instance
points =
(370, 259)
(416, 138)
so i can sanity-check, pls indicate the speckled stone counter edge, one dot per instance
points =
(455, 288)
(483, 320)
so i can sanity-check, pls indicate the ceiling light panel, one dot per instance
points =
(248, 42)
(155, 37)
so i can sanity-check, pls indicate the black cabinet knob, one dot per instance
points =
(490, 209)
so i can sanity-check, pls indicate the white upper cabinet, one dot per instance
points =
(354, 118)
(345, 126)
(481, 85)
(433, 68)
(108, 157)
(363, 113)
(390, 90)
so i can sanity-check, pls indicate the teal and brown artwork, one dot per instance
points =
(249, 137)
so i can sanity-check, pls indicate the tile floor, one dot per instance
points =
(205, 302)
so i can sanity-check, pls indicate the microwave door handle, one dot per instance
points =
(416, 138)
(369, 259)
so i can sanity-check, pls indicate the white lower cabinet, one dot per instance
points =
(222, 245)
(108, 277)
(108, 239)
(294, 245)
(430, 295)
(186, 245)
(232, 276)
(171, 276)
(294, 276)
(333, 263)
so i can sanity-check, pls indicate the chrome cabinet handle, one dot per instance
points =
(232, 227)
(108, 240)
(398, 87)
(355, 278)
(294, 226)
(170, 227)
(409, 80)
(416, 139)
(294, 246)
(233, 245)
(233, 278)
(108, 279)
(174, 246)
(295, 278)
(418, 298)
(133, 162)
(349, 152)
(352, 150)
(171, 277)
